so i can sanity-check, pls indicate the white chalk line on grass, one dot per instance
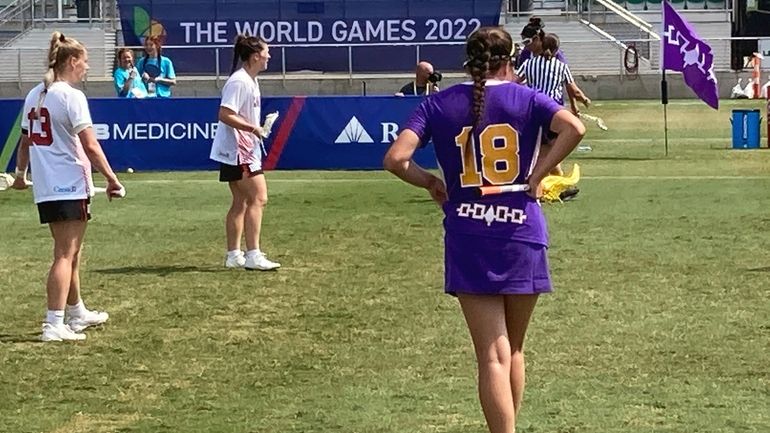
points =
(619, 177)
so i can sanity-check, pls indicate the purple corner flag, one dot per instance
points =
(683, 51)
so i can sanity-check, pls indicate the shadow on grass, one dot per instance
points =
(30, 337)
(762, 269)
(419, 200)
(157, 270)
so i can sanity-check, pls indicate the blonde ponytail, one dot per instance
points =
(60, 50)
(53, 53)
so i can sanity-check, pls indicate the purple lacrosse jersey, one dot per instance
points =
(503, 152)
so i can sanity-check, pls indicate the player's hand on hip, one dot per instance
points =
(535, 188)
(437, 191)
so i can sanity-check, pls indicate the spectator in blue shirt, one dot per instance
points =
(128, 83)
(156, 70)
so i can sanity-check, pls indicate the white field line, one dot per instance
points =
(269, 180)
(660, 139)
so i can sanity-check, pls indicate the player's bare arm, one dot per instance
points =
(570, 131)
(22, 162)
(398, 160)
(233, 120)
(96, 155)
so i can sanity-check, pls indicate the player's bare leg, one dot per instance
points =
(485, 316)
(235, 217)
(254, 189)
(67, 238)
(518, 311)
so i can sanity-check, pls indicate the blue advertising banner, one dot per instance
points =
(373, 25)
(176, 134)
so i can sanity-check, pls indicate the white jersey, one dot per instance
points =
(60, 168)
(236, 147)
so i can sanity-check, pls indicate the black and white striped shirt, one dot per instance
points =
(547, 76)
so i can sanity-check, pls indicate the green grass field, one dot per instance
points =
(660, 321)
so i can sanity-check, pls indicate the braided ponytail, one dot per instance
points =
(488, 49)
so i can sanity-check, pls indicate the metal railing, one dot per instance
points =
(21, 15)
(26, 64)
(629, 29)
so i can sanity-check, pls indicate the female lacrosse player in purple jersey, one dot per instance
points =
(486, 135)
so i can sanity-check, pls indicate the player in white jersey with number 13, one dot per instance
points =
(61, 145)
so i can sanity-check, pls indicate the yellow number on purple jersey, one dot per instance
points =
(499, 147)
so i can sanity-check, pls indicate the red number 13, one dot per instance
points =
(38, 139)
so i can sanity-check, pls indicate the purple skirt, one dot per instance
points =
(490, 266)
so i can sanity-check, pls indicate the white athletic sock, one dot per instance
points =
(234, 253)
(253, 253)
(77, 310)
(55, 317)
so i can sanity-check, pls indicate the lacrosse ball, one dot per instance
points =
(129, 170)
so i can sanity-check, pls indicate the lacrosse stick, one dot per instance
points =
(6, 180)
(499, 189)
(598, 120)
(267, 128)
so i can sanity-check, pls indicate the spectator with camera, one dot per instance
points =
(425, 81)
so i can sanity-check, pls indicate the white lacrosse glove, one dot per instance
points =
(268, 126)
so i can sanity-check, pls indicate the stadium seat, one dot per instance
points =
(635, 5)
(654, 5)
(696, 4)
(679, 4)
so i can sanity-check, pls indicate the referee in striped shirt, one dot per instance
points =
(548, 74)
(551, 76)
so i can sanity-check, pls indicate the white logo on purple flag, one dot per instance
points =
(685, 52)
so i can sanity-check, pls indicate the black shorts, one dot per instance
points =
(64, 210)
(233, 173)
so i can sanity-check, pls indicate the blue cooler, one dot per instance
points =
(746, 129)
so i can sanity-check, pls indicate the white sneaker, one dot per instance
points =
(91, 318)
(261, 263)
(60, 333)
(235, 262)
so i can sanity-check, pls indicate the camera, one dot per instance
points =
(435, 77)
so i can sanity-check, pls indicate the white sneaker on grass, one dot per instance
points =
(235, 262)
(60, 333)
(260, 262)
(91, 318)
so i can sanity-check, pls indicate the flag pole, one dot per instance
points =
(663, 83)
(664, 101)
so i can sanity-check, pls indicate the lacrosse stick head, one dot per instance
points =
(6, 180)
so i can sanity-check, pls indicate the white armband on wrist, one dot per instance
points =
(21, 173)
